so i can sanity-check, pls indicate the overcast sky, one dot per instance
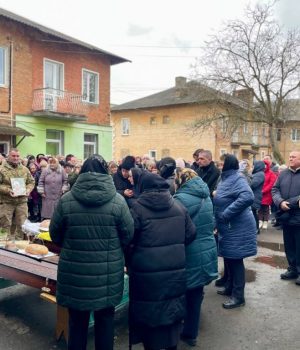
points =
(160, 37)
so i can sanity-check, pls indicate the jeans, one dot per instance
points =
(79, 324)
(291, 239)
(236, 277)
(194, 298)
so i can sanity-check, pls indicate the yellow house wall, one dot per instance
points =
(287, 145)
(173, 136)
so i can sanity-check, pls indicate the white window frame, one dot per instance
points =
(85, 99)
(59, 141)
(152, 154)
(6, 146)
(224, 124)
(125, 131)
(5, 67)
(223, 151)
(245, 128)
(62, 78)
(295, 135)
(91, 143)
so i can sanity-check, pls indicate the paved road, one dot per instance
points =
(270, 319)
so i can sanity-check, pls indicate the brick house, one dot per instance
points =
(54, 91)
(160, 124)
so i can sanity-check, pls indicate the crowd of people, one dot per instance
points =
(166, 221)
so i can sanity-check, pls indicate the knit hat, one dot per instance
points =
(95, 164)
(128, 162)
(166, 166)
(180, 163)
(184, 175)
(151, 182)
(230, 163)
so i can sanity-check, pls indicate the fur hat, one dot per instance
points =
(128, 163)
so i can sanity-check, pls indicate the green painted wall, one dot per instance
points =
(73, 136)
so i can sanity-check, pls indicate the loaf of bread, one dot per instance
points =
(36, 249)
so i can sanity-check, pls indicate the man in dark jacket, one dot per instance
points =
(207, 170)
(286, 195)
(93, 225)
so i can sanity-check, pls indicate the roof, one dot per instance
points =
(186, 93)
(12, 130)
(114, 59)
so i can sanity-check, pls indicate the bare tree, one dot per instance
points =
(257, 54)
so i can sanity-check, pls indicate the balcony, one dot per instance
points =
(59, 104)
(244, 139)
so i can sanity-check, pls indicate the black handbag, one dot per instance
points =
(282, 216)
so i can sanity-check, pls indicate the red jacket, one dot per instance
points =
(270, 179)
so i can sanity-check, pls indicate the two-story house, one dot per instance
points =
(164, 124)
(54, 91)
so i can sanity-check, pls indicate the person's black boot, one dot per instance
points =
(289, 274)
(220, 282)
(298, 281)
(224, 291)
(233, 303)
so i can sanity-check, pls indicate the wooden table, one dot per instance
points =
(37, 273)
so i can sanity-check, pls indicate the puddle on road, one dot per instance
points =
(273, 260)
(250, 275)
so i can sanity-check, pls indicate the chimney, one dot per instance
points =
(244, 95)
(180, 82)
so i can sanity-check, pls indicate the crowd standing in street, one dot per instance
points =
(165, 220)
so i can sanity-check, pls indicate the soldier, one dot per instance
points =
(16, 183)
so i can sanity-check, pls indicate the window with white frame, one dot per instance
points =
(54, 142)
(3, 66)
(224, 124)
(222, 151)
(166, 119)
(125, 126)
(245, 128)
(53, 75)
(152, 154)
(90, 86)
(295, 135)
(262, 154)
(90, 145)
(152, 120)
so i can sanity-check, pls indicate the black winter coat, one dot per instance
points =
(157, 265)
(210, 175)
(287, 188)
(91, 222)
(257, 182)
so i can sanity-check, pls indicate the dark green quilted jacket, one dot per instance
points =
(92, 224)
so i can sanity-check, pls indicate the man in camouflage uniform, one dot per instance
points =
(13, 207)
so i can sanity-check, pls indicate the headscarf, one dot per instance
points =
(95, 164)
(184, 175)
(151, 182)
(167, 167)
(230, 163)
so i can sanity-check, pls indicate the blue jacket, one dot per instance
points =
(201, 254)
(234, 218)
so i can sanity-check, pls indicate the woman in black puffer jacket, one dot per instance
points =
(157, 265)
(92, 224)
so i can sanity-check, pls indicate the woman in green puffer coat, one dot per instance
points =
(92, 224)
(201, 254)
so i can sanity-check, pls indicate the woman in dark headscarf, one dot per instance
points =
(236, 228)
(92, 224)
(157, 265)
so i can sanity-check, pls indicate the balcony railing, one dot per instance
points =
(244, 138)
(58, 102)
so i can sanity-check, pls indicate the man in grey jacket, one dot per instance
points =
(286, 195)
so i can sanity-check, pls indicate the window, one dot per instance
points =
(222, 151)
(263, 131)
(53, 75)
(54, 142)
(90, 145)
(4, 147)
(3, 66)
(90, 86)
(278, 134)
(295, 136)
(245, 128)
(224, 124)
(152, 120)
(166, 119)
(235, 152)
(262, 154)
(152, 154)
(125, 126)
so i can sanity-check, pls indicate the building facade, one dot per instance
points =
(54, 91)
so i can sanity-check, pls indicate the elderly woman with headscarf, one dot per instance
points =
(53, 182)
(201, 255)
(93, 225)
(157, 272)
(236, 228)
